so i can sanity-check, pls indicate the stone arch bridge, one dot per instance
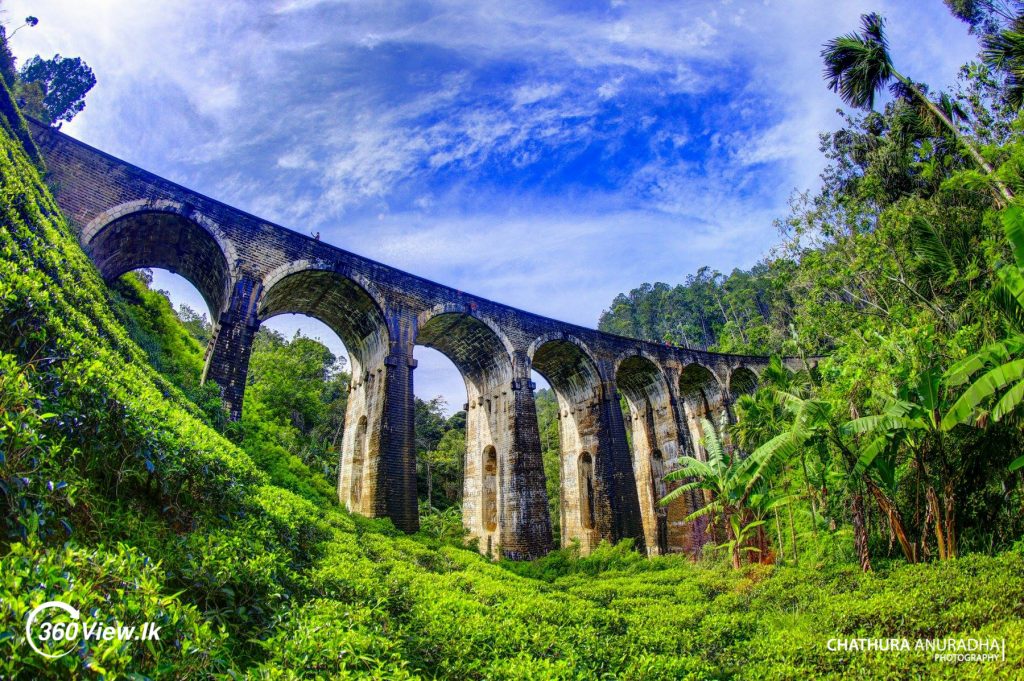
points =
(249, 270)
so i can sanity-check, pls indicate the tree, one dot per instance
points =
(1004, 52)
(913, 420)
(858, 65)
(64, 83)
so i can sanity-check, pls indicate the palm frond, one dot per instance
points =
(870, 453)
(712, 443)
(990, 355)
(857, 65)
(767, 459)
(1010, 400)
(929, 248)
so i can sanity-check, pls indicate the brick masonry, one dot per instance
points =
(249, 270)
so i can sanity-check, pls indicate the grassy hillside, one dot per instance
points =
(120, 499)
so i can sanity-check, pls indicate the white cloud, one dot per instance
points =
(342, 116)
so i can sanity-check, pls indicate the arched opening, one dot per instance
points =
(299, 378)
(166, 316)
(340, 303)
(742, 381)
(567, 419)
(586, 480)
(440, 433)
(164, 240)
(701, 395)
(483, 361)
(489, 492)
(343, 311)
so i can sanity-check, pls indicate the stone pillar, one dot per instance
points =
(227, 355)
(616, 470)
(689, 537)
(524, 522)
(396, 498)
(658, 443)
(377, 471)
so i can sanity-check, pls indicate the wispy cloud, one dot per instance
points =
(545, 154)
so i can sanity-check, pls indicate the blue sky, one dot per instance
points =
(544, 154)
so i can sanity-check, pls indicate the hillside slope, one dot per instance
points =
(119, 500)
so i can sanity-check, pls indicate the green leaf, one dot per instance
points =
(929, 248)
(1013, 226)
(981, 390)
(1017, 464)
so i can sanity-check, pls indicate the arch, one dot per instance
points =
(165, 235)
(335, 299)
(567, 365)
(698, 387)
(473, 344)
(742, 381)
(489, 489)
(640, 379)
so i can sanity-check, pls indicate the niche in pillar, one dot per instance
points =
(586, 479)
(358, 465)
(489, 493)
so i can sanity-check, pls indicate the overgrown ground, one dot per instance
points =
(120, 499)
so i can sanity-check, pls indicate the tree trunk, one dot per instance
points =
(951, 538)
(971, 149)
(892, 514)
(936, 515)
(778, 535)
(860, 534)
(810, 494)
(792, 533)
(430, 488)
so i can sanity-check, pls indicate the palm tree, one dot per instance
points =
(1004, 51)
(858, 65)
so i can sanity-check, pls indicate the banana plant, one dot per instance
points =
(995, 373)
(739, 487)
(913, 419)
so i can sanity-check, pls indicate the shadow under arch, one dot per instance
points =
(567, 365)
(742, 381)
(641, 380)
(477, 350)
(163, 235)
(339, 302)
(699, 389)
